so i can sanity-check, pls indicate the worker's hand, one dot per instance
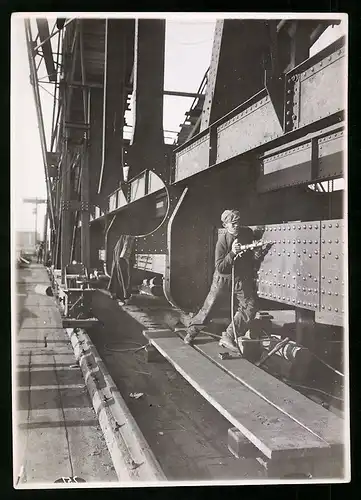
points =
(236, 247)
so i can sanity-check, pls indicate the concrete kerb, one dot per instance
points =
(132, 457)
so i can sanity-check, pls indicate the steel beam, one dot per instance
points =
(212, 75)
(147, 149)
(237, 70)
(113, 105)
(44, 35)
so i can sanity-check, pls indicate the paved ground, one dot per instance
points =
(56, 430)
(187, 435)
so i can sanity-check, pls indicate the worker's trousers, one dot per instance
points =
(244, 297)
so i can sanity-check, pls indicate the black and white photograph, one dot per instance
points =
(179, 253)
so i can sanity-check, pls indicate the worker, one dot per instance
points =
(40, 249)
(227, 248)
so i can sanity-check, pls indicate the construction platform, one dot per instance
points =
(57, 433)
(289, 435)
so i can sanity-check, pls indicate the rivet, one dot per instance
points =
(310, 256)
(323, 226)
(336, 309)
(293, 300)
(330, 293)
(323, 292)
(304, 250)
(310, 226)
(323, 241)
(336, 241)
(323, 277)
(336, 293)
(315, 280)
(336, 256)
(293, 286)
(316, 226)
(298, 302)
(329, 308)
(330, 281)
(293, 251)
(294, 227)
(304, 242)
(336, 278)
(330, 241)
(323, 307)
(330, 225)
(304, 227)
(323, 256)
(316, 242)
(299, 227)
(288, 254)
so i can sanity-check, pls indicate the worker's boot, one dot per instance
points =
(228, 342)
(192, 332)
(249, 347)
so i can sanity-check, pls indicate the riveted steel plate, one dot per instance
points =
(290, 176)
(322, 89)
(290, 271)
(256, 125)
(332, 271)
(192, 159)
(330, 155)
(151, 262)
(288, 158)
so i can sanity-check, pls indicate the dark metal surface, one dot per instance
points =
(44, 36)
(315, 89)
(332, 269)
(304, 267)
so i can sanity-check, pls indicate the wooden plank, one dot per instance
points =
(314, 417)
(271, 431)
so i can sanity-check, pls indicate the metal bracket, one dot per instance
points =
(275, 86)
(74, 206)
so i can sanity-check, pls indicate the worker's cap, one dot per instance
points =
(230, 216)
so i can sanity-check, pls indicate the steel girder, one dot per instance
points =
(314, 99)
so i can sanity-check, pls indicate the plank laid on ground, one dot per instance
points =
(270, 430)
(314, 417)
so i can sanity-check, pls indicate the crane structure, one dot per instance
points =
(266, 124)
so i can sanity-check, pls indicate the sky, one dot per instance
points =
(187, 56)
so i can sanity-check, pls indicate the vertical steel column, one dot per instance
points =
(66, 218)
(147, 145)
(45, 235)
(65, 208)
(113, 105)
(85, 215)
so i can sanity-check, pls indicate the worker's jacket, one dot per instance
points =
(224, 257)
(244, 274)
